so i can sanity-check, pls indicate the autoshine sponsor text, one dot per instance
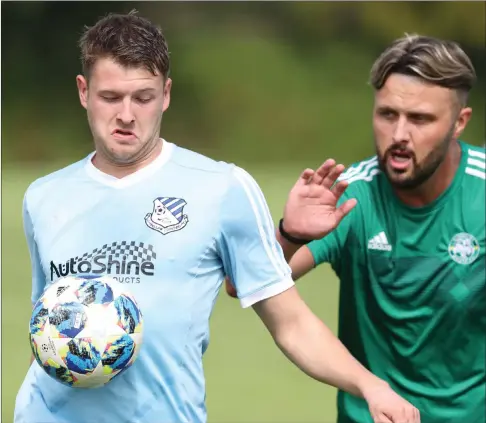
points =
(110, 260)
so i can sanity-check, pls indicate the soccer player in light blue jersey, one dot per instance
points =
(168, 224)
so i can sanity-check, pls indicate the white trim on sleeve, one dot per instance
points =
(268, 292)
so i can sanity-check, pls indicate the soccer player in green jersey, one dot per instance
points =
(410, 253)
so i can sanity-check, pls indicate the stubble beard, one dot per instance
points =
(420, 172)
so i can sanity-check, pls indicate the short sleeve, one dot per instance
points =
(251, 254)
(38, 278)
(328, 249)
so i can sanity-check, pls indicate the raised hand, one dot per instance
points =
(311, 210)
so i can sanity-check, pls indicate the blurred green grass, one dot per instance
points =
(248, 378)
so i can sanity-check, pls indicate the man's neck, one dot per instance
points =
(122, 170)
(431, 189)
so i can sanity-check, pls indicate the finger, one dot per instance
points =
(339, 189)
(344, 209)
(305, 177)
(416, 416)
(412, 415)
(332, 176)
(381, 418)
(323, 171)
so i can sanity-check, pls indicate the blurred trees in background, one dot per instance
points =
(252, 81)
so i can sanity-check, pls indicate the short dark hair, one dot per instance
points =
(436, 61)
(129, 40)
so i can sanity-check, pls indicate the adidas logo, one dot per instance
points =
(379, 242)
(60, 290)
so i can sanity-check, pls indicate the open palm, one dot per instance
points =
(311, 210)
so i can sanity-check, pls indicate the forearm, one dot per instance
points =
(288, 248)
(311, 346)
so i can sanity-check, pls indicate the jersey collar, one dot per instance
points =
(129, 180)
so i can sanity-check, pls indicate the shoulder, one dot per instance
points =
(236, 198)
(191, 161)
(475, 163)
(44, 186)
(217, 173)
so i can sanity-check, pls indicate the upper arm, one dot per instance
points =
(38, 278)
(282, 311)
(251, 255)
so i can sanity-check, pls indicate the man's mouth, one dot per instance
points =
(400, 159)
(123, 134)
(401, 156)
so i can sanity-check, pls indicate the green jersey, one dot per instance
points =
(412, 296)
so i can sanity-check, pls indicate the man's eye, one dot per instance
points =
(387, 113)
(109, 99)
(144, 99)
(421, 118)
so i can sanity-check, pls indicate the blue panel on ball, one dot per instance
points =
(82, 356)
(39, 318)
(67, 319)
(58, 372)
(128, 313)
(118, 353)
(93, 291)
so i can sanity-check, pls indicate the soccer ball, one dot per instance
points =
(84, 331)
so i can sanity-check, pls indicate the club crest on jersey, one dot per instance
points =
(463, 248)
(167, 215)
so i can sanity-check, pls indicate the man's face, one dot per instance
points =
(124, 108)
(413, 124)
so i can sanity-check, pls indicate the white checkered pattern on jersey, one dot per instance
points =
(136, 250)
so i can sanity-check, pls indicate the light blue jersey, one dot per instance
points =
(168, 233)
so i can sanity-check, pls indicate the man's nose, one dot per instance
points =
(125, 115)
(401, 132)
